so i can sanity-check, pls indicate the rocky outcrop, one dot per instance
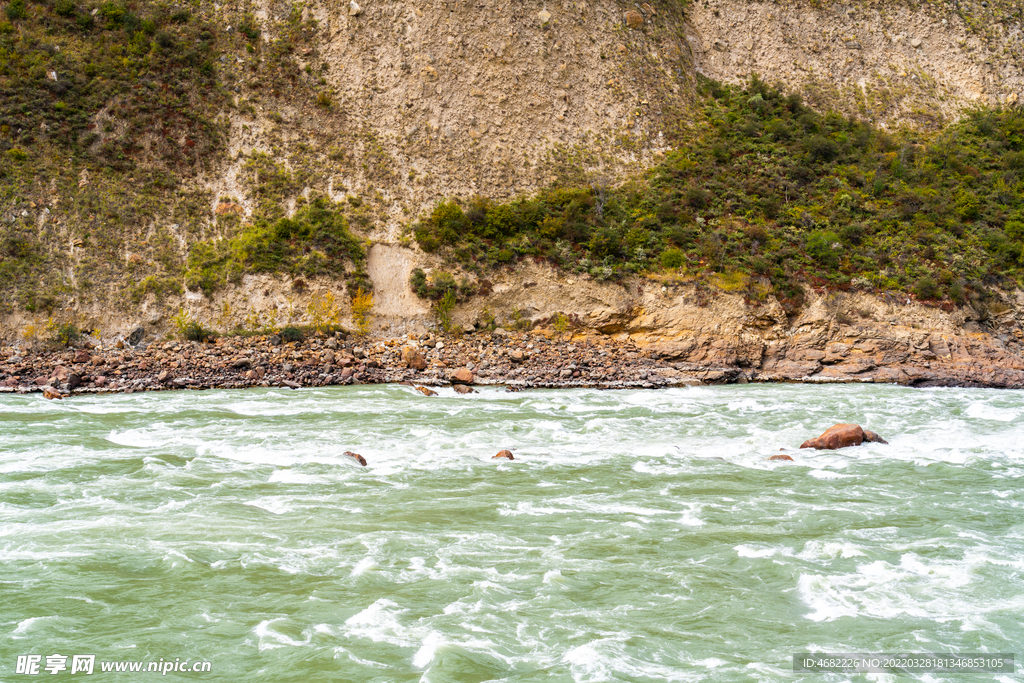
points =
(842, 436)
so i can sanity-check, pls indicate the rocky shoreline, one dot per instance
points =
(517, 360)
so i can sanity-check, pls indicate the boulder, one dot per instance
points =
(781, 456)
(634, 19)
(290, 384)
(51, 393)
(507, 454)
(425, 391)
(82, 356)
(463, 389)
(73, 381)
(842, 436)
(414, 358)
(461, 376)
(136, 336)
(516, 355)
(355, 456)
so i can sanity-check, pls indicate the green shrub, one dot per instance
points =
(65, 8)
(821, 245)
(194, 331)
(16, 10)
(292, 334)
(316, 241)
(672, 258)
(926, 288)
(65, 334)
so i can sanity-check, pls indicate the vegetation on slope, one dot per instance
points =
(109, 113)
(315, 241)
(773, 194)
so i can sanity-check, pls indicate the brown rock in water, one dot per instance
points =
(461, 376)
(463, 389)
(51, 393)
(503, 454)
(355, 456)
(425, 391)
(842, 436)
(781, 456)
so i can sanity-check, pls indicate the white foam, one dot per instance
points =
(980, 410)
(915, 588)
(269, 639)
(379, 623)
(273, 505)
(293, 477)
(364, 565)
(25, 625)
(828, 475)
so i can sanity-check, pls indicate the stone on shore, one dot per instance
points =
(414, 358)
(51, 393)
(462, 376)
(842, 436)
(355, 456)
(507, 454)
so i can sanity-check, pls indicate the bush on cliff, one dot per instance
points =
(315, 241)
(770, 187)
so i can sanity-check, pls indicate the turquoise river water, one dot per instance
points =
(638, 535)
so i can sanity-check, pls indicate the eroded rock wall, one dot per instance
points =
(891, 63)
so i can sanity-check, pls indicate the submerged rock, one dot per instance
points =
(355, 456)
(463, 389)
(781, 456)
(503, 454)
(425, 391)
(51, 393)
(842, 436)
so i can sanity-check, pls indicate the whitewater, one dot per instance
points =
(637, 535)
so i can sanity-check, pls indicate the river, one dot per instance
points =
(637, 535)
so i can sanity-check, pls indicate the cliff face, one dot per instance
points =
(891, 63)
(394, 106)
(455, 99)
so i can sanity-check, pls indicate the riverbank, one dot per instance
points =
(520, 360)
